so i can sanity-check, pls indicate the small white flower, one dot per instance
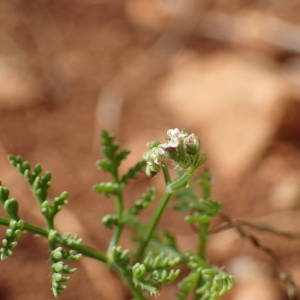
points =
(174, 138)
(158, 155)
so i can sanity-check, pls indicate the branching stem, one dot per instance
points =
(83, 249)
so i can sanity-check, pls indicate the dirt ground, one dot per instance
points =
(227, 70)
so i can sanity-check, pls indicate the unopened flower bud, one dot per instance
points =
(192, 144)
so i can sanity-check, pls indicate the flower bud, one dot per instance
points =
(192, 144)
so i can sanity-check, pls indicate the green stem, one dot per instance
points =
(137, 293)
(179, 183)
(125, 275)
(171, 188)
(119, 203)
(49, 221)
(203, 232)
(83, 249)
(166, 174)
(154, 221)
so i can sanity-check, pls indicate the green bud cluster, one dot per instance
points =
(208, 283)
(13, 232)
(120, 257)
(160, 261)
(111, 163)
(16, 225)
(68, 239)
(143, 203)
(110, 220)
(11, 206)
(155, 271)
(60, 253)
(108, 188)
(60, 269)
(39, 183)
(50, 209)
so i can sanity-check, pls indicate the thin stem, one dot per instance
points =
(154, 221)
(255, 226)
(135, 291)
(180, 182)
(166, 174)
(83, 249)
(285, 277)
(203, 232)
(88, 251)
(269, 229)
(119, 228)
(119, 204)
(171, 188)
(49, 221)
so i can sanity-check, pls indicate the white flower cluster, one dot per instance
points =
(176, 136)
(180, 146)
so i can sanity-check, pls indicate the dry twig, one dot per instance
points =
(284, 277)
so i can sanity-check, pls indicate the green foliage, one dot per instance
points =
(113, 157)
(13, 232)
(157, 258)
(11, 206)
(206, 282)
(120, 257)
(155, 271)
(143, 203)
(133, 171)
(39, 183)
(15, 224)
(60, 269)
(113, 154)
(203, 208)
(110, 220)
(4, 194)
(108, 188)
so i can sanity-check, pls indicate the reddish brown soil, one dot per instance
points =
(79, 52)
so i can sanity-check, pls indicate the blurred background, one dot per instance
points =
(226, 70)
